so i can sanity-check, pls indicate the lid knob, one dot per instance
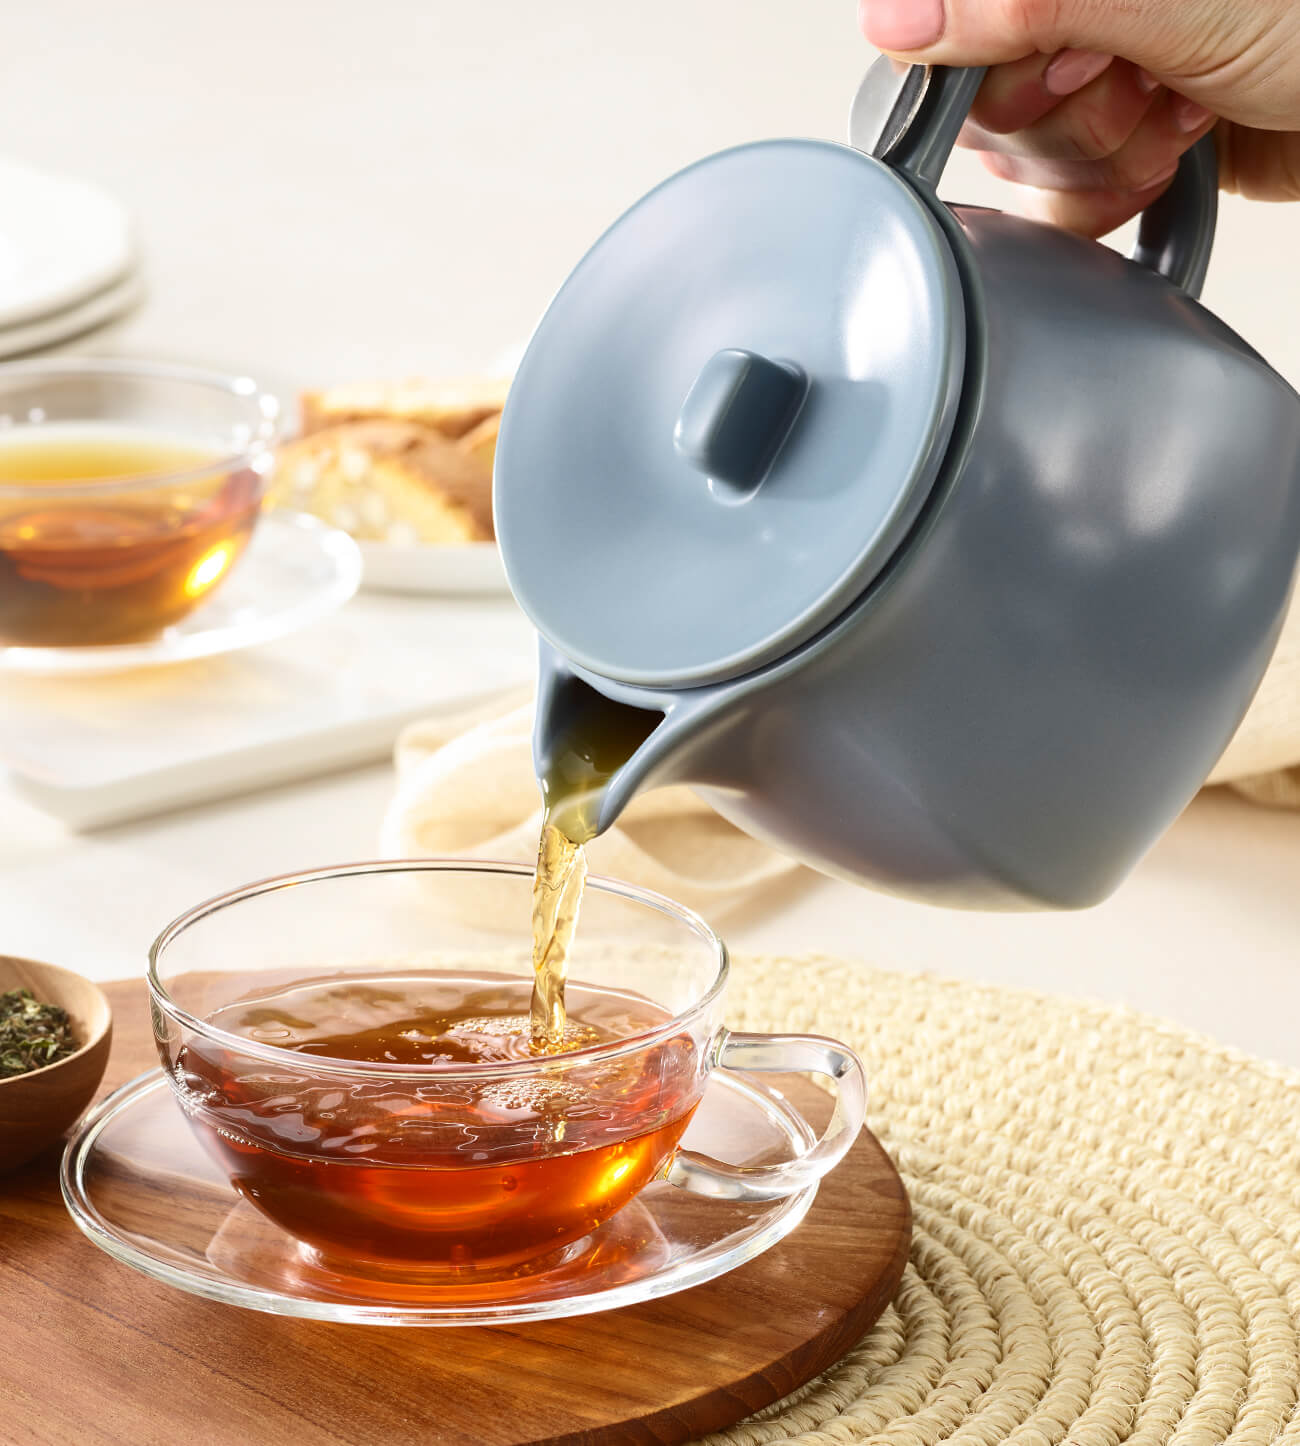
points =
(738, 412)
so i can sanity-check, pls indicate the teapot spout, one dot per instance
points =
(594, 750)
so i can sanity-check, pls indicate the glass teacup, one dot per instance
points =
(128, 491)
(351, 1046)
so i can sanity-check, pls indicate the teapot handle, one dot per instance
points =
(911, 119)
(1177, 231)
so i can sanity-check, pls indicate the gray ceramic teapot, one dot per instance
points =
(939, 549)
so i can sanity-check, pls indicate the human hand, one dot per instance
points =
(1100, 137)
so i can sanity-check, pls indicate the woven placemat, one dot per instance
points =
(1107, 1222)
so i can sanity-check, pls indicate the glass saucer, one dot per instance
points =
(295, 571)
(137, 1182)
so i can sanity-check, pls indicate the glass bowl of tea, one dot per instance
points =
(128, 491)
(355, 1048)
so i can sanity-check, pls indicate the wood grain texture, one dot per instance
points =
(36, 1108)
(93, 1352)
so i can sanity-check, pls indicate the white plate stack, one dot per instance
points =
(67, 259)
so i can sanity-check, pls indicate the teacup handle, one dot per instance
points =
(781, 1054)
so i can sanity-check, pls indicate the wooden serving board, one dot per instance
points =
(92, 1352)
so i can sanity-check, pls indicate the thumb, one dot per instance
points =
(1224, 55)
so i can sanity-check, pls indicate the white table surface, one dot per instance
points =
(324, 195)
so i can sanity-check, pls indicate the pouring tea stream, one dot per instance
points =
(936, 547)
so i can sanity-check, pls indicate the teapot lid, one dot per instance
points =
(731, 414)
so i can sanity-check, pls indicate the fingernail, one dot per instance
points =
(1071, 70)
(1189, 115)
(903, 24)
(1147, 82)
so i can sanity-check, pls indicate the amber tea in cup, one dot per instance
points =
(480, 1172)
(127, 494)
(353, 1047)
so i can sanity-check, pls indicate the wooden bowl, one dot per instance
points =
(36, 1108)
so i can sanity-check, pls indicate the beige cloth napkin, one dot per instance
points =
(466, 787)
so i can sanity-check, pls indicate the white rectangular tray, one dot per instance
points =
(100, 750)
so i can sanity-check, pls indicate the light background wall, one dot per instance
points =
(348, 187)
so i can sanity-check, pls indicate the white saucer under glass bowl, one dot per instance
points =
(295, 571)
